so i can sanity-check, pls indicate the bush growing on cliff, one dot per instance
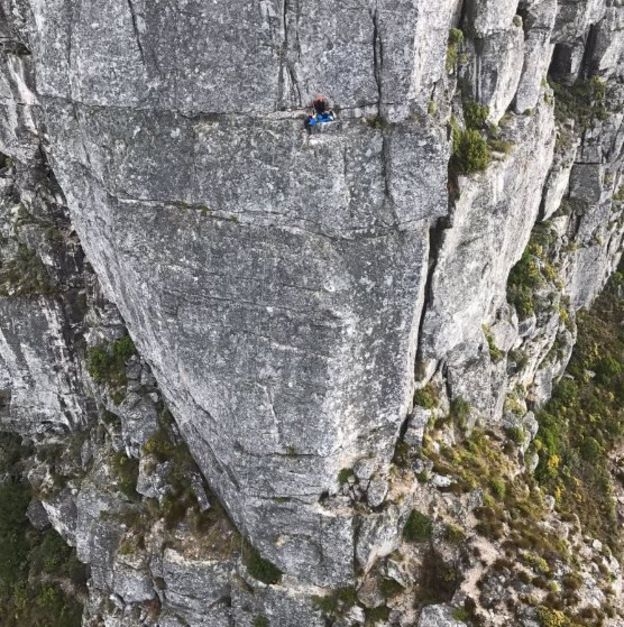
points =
(471, 152)
(427, 397)
(126, 471)
(418, 527)
(25, 275)
(475, 114)
(258, 567)
(455, 41)
(338, 602)
(524, 279)
(107, 364)
(584, 102)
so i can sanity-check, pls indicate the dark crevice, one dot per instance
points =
(286, 65)
(377, 57)
(527, 21)
(588, 68)
(135, 28)
(16, 48)
(436, 236)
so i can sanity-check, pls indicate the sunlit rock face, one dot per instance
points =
(274, 280)
(288, 289)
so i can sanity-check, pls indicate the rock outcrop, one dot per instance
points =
(288, 292)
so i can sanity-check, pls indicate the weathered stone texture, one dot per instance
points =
(282, 285)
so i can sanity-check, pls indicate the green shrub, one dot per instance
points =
(454, 534)
(126, 471)
(338, 603)
(497, 487)
(160, 446)
(461, 614)
(475, 115)
(123, 348)
(52, 608)
(460, 412)
(418, 527)
(375, 615)
(551, 618)
(14, 546)
(259, 568)
(607, 369)
(500, 145)
(12, 452)
(261, 621)
(390, 588)
(471, 152)
(572, 581)
(455, 41)
(585, 101)
(525, 277)
(401, 457)
(591, 450)
(516, 434)
(107, 363)
(427, 397)
(25, 275)
(344, 475)
(51, 554)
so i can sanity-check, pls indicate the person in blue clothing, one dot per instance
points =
(322, 113)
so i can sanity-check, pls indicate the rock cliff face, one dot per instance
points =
(289, 292)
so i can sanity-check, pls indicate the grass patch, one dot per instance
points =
(418, 527)
(427, 397)
(338, 602)
(25, 275)
(512, 508)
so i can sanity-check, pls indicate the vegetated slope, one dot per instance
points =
(41, 581)
(582, 427)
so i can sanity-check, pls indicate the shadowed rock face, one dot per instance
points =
(275, 281)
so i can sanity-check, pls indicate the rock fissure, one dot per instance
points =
(137, 33)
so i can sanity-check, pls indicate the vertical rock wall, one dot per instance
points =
(282, 286)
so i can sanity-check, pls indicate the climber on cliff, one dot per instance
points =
(321, 113)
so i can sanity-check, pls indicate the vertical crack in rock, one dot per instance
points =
(436, 235)
(377, 57)
(378, 74)
(286, 65)
(586, 69)
(135, 28)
